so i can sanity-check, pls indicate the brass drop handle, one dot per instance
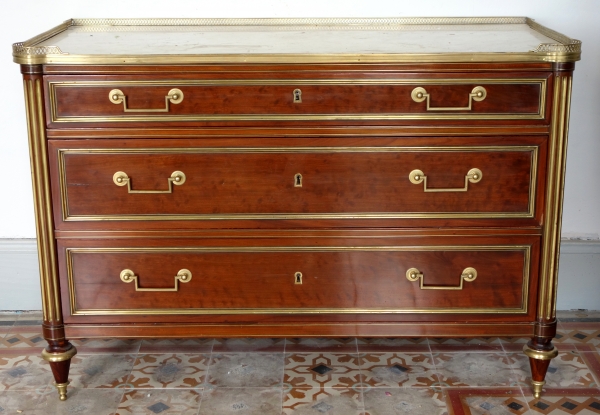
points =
(419, 94)
(121, 179)
(183, 275)
(469, 274)
(473, 176)
(175, 96)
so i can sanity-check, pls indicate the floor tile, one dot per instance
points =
(321, 400)
(11, 402)
(319, 344)
(474, 344)
(106, 346)
(100, 371)
(397, 370)
(581, 333)
(515, 344)
(160, 401)
(396, 344)
(592, 360)
(473, 369)
(565, 402)
(250, 401)
(79, 401)
(414, 401)
(565, 370)
(325, 370)
(243, 344)
(23, 337)
(24, 372)
(488, 401)
(237, 370)
(169, 371)
(177, 345)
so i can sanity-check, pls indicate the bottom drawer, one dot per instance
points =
(444, 275)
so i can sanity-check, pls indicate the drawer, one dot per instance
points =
(73, 101)
(268, 183)
(451, 275)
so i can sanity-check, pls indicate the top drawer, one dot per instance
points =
(123, 101)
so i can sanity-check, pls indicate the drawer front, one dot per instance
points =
(122, 100)
(297, 183)
(278, 279)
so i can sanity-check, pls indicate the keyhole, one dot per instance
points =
(297, 96)
(298, 279)
(298, 180)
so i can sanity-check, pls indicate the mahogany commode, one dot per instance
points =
(298, 177)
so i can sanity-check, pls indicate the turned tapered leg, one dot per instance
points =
(59, 357)
(540, 351)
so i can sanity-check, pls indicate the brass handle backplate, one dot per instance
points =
(121, 179)
(184, 275)
(417, 176)
(419, 94)
(116, 96)
(469, 274)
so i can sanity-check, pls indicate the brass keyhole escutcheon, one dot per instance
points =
(297, 180)
(297, 96)
(298, 278)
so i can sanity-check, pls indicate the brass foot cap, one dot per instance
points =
(537, 388)
(62, 390)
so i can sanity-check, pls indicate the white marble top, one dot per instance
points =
(133, 40)
(297, 40)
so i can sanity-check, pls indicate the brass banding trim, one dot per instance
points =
(55, 85)
(75, 310)
(59, 357)
(540, 354)
(67, 217)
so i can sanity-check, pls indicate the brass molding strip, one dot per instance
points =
(561, 105)
(540, 114)
(67, 217)
(526, 249)
(28, 52)
(51, 307)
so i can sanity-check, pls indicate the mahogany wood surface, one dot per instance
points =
(343, 273)
(354, 138)
(227, 178)
(370, 329)
(88, 97)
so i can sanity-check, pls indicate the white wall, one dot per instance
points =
(575, 18)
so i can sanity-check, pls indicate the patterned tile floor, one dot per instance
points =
(301, 376)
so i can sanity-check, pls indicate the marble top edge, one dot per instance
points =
(349, 22)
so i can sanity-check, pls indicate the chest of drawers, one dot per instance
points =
(350, 177)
